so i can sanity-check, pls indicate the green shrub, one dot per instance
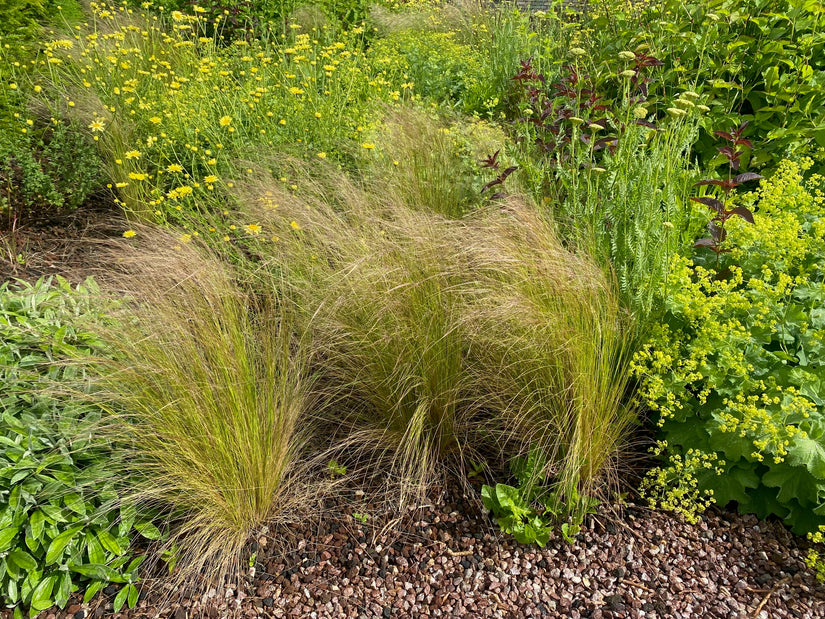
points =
(61, 524)
(45, 172)
(757, 60)
(736, 373)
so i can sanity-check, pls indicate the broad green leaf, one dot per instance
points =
(94, 549)
(37, 522)
(42, 594)
(23, 559)
(794, 482)
(59, 543)
(148, 530)
(120, 598)
(92, 590)
(97, 572)
(109, 542)
(64, 590)
(12, 591)
(809, 453)
(731, 485)
(6, 537)
(134, 593)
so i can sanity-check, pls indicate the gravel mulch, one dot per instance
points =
(449, 564)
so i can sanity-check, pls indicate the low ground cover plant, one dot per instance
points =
(62, 525)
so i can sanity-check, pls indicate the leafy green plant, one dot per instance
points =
(734, 374)
(614, 173)
(45, 173)
(335, 469)
(759, 61)
(530, 511)
(62, 526)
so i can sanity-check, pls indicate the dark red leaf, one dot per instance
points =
(507, 172)
(723, 134)
(711, 203)
(747, 176)
(602, 143)
(743, 212)
(717, 233)
(710, 243)
(710, 181)
(744, 142)
(492, 183)
(646, 123)
(491, 161)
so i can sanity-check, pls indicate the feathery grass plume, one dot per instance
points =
(432, 163)
(551, 348)
(439, 337)
(380, 287)
(212, 397)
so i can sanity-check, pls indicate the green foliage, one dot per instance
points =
(735, 373)
(61, 525)
(530, 511)
(439, 64)
(22, 18)
(615, 174)
(45, 172)
(756, 60)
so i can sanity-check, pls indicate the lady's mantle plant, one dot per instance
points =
(735, 374)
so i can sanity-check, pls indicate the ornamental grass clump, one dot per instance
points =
(211, 396)
(380, 289)
(442, 341)
(552, 346)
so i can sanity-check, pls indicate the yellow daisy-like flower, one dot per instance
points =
(225, 120)
(137, 176)
(210, 179)
(368, 145)
(295, 225)
(129, 234)
(185, 238)
(156, 120)
(132, 154)
(322, 155)
(121, 185)
(253, 228)
(174, 167)
(97, 125)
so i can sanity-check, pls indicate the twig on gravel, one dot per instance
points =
(460, 553)
(638, 585)
(769, 594)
